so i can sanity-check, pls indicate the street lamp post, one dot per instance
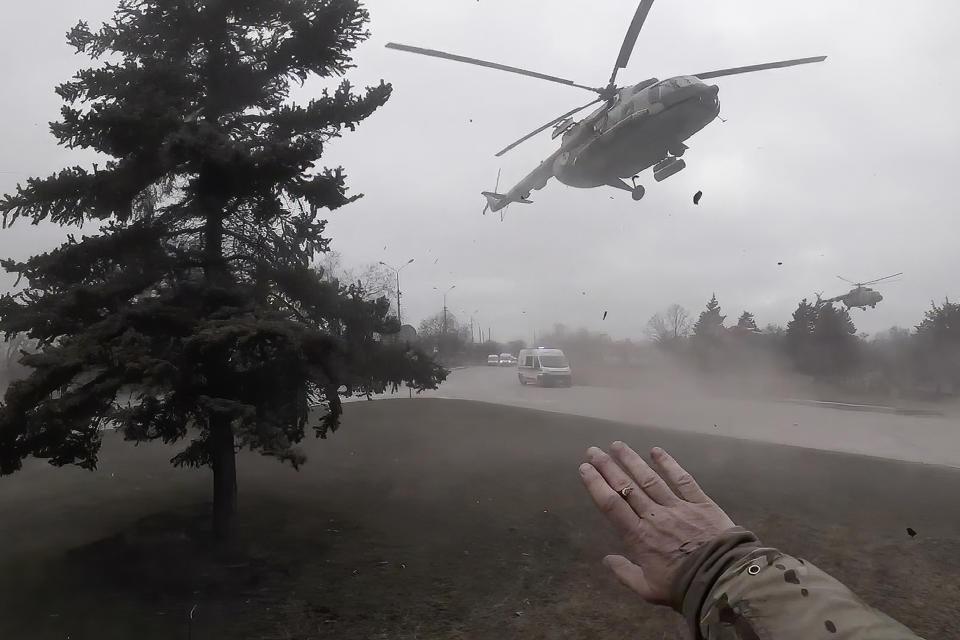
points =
(452, 287)
(529, 325)
(397, 272)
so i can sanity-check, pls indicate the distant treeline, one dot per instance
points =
(819, 343)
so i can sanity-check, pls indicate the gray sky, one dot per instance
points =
(846, 167)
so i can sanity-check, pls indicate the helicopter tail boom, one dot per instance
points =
(497, 201)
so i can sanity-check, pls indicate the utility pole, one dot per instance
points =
(472, 315)
(452, 287)
(397, 272)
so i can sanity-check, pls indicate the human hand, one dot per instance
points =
(660, 523)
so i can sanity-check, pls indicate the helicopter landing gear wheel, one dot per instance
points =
(678, 152)
(638, 192)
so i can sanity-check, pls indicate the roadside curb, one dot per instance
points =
(869, 408)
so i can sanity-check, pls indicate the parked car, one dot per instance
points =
(507, 360)
(544, 367)
(493, 360)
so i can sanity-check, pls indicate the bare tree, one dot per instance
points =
(376, 280)
(656, 329)
(670, 325)
(678, 319)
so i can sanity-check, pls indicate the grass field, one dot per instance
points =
(439, 519)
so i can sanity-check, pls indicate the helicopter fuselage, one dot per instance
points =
(645, 124)
(862, 297)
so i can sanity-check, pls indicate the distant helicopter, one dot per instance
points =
(637, 127)
(861, 295)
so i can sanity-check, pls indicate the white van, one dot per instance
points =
(545, 367)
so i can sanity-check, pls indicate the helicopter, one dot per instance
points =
(861, 295)
(636, 127)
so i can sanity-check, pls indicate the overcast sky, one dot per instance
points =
(847, 167)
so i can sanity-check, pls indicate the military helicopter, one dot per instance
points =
(636, 127)
(861, 295)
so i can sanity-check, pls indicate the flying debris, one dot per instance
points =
(632, 128)
(697, 196)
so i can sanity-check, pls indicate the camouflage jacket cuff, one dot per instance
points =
(701, 569)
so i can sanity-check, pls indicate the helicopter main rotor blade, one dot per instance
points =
(548, 125)
(758, 67)
(630, 41)
(845, 280)
(491, 65)
(882, 279)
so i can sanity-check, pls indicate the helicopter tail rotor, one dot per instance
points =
(498, 201)
(493, 196)
(494, 200)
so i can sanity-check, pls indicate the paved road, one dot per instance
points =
(929, 439)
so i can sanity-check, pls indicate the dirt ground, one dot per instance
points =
(425, 519)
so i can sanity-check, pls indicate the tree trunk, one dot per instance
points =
(224, 462)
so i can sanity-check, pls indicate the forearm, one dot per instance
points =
(732, 588)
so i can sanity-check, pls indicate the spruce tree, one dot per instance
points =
(938, 339)
(194, 313)
(798, 339)
(746, 323)
(837, 347)
(709, 325)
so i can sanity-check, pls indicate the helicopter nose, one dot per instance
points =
(710, 97)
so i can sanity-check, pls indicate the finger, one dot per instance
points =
(632, 577)
(618, 480)
(648, 479)
(682, 482)
(615, 508)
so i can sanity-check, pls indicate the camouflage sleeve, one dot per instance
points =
(763, 594)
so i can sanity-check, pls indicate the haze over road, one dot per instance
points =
(928, 439)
